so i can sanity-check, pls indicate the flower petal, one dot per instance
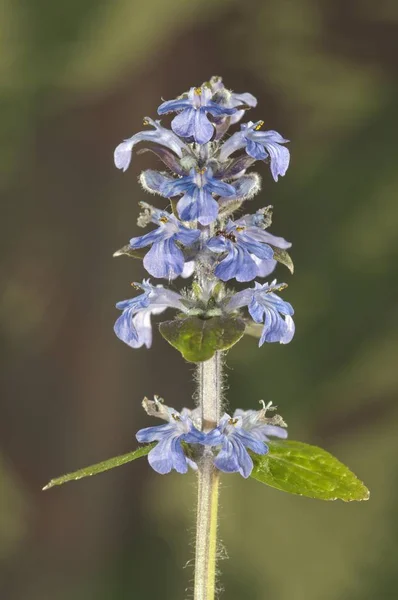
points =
(235, 142)
(200, 205)
(238, 263)
(255, 150)
(164, 260)
(184, 123)
(174, 106)
(203, 129)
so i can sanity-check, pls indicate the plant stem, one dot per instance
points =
(210, 386)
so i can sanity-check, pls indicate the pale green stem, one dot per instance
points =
(210, 400)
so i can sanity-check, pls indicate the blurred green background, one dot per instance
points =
(77, 77)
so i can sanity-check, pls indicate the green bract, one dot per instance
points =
(307, 470)
(198, 339)
(283, 257)
(105, 465)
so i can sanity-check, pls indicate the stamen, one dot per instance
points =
(198, 91)
(240, 228)
(267, 406)
(233, 421)
(277, 288)
(259, 125)
(163, 220)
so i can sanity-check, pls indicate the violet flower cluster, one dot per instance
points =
(181, 442)
(194, 233)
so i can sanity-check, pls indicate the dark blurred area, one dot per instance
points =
(77, 78)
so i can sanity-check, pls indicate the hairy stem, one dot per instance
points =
(210, 384)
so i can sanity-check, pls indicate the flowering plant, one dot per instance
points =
(197, 236)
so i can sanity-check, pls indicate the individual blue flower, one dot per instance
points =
(192, 120)
(197, 202)
(159, 135)
(259, 425)
(168, 453)
(266, 307)
(231, 99)
(265, 266)
(234, 440)
(134, 325)
(165, 259)
(260, 145)
(243, 243)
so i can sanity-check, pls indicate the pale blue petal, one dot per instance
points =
(219, 244)
(243, 99)
(168, 455)
(219, 187)
(164, 260)
(124, 328)
(238, 263)
(201, 206)
(153, 237)
(159, 135)
(216, 109)
(184, 123)
(249, 441)
(289, 330)
(186, 236)
(203, 129)
(235, 142)
(256, 310)
(262, 251)
(154, 434)
(265, 137)
(227, 459)
(161, 184)
(174, 105)
(255, 150)
(274, 240)
(240, 299)
(265, 267)
(141, 324)
(280, 158)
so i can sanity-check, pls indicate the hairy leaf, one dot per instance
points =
(105, 465)
(198, 339)
(306, 470)
(284, 258)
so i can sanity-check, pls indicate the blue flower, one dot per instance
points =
(197, 202)
(159, 135)
(246, 245)
(264, 266)
(266, 307)
(231, 99)
(134, 325)
(165, 258)
(192, 120)
(260, 145)
(234, 439)
(259, 425)
(168, 453)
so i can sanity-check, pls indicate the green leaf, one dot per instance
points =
(284, 258)
(307, 470)
(198, 339)
(105, 465)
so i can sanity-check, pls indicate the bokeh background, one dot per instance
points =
(78, 77)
